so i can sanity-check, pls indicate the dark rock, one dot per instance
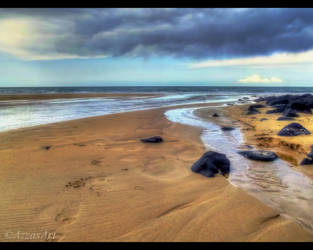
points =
(290, 113)
(256, 106)
(211, 163)
(263, 119)
(260, 99)
(47, 147)
(154, 139)
(293, 129)
(284, 99)
(282, 118)
(302, 105)
(227, 128)
(245, 98)
(259, 155)
(279, 109)
(253, 112)
(215, 115)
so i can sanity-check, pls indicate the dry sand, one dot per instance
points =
(98, 182)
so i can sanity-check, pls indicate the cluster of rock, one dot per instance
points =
(289, 105)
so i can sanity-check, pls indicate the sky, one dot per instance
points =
(189, 47)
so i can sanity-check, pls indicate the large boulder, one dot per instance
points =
(211, 163)
(259, 155)
(293, 129)
(154, 139)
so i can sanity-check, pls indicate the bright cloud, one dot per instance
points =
(258, 79)
(276, 59)
(31, 39)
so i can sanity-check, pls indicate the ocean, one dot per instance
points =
(16, 114)
(153, 89)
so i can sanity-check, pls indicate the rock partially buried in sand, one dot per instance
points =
(154, 139)
(308, 160)
(211, 163)
(215, 115)
(282, 118)
(293, 129)
(259, 155)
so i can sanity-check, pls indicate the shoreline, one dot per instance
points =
(102, 176)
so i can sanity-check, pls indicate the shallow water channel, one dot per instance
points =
(274, 183)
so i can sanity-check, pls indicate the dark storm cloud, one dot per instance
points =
(188, 33)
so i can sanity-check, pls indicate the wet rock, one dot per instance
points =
(259, 155)
(154, 139)
(282, 118)
(293, 129)
(211, 163)
(215, 115)
(225, 128)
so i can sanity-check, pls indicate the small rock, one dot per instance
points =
(154, 139)
(227, 128)
(259, 155)
(282, 118)
(215, 115)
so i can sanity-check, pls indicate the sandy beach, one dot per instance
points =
(263, 135)
(92, 179)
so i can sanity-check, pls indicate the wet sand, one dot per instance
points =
(263, 135)
(93, 180)
(69, 96)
